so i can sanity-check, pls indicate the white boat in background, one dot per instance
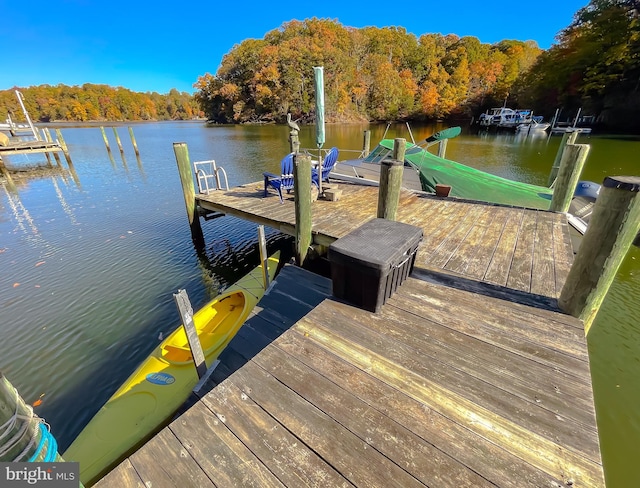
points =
(534, 125)
(507, 118)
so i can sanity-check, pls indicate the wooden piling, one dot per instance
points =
(442, 148)
(63, 145)
(613, 226)
(47, 137)
(366, 144)
(302, 184)
(294, 142)
(567, 138)
(391, 181)
(573, 158)
(106, 141)
(115, 133)
(23, 438)
(188, 189)
(133, 141)
(264, 256)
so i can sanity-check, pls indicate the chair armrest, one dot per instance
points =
(270, 175)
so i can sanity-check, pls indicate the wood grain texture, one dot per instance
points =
(493, 243)
(444, 387)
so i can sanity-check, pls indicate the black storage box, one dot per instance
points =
(369, 263)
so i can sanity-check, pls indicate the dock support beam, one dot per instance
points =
(133, 141)
(302, 183)
(573, 158)
(188, 189)
(366, 143)
(614, 225)
(567, 138)
(65, 149)
(106, 141)
(391, 181)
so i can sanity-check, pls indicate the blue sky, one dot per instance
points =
(156, 46)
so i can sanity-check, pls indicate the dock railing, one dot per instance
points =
(205, 170)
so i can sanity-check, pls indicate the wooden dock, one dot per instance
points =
(29, 147)
(469, 375)
(524, 250)
(443, 388)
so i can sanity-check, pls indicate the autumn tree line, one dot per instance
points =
(91, 102)
(385, 74)
(390, 74)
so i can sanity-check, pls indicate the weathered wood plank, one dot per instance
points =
(480, 260)
(510, 328)
(122, 475)
(400, 445)
(511, 372)
(463, 386)
(562, 251)
(500, 265)
(522, 263)
(481, 456)
(445, 223)
(449, 245)
(177, 468)
(543, 278)
(340, 448)
(219, 453)
(476, 247)
(400, 367)
(442, 224)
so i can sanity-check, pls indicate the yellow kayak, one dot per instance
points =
(163, 382)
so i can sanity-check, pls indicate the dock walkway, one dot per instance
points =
(469, 375)
(521, 249)
(443, 388)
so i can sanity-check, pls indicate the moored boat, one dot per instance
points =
(506, 118)
(162, 383)
(424, 170)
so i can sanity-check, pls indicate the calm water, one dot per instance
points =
(89, 262)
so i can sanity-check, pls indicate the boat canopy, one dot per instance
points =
(466, 182)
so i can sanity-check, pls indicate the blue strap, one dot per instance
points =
(52, 449)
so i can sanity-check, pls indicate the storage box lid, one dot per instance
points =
(379, 244)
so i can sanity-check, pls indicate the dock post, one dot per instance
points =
(366, 144)
(442, 148)
(188, 189)
(573, 159)
(25, 438)
(133, 141)
(47, 137)
(612, 229)
(302, 183)
(390, 181)
(264, 257)
(294, 141)
(63, 145)
(567, 138)
(115, 132)
(106, 141)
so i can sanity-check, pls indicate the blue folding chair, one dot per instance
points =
(282, 182)
(327, 165)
